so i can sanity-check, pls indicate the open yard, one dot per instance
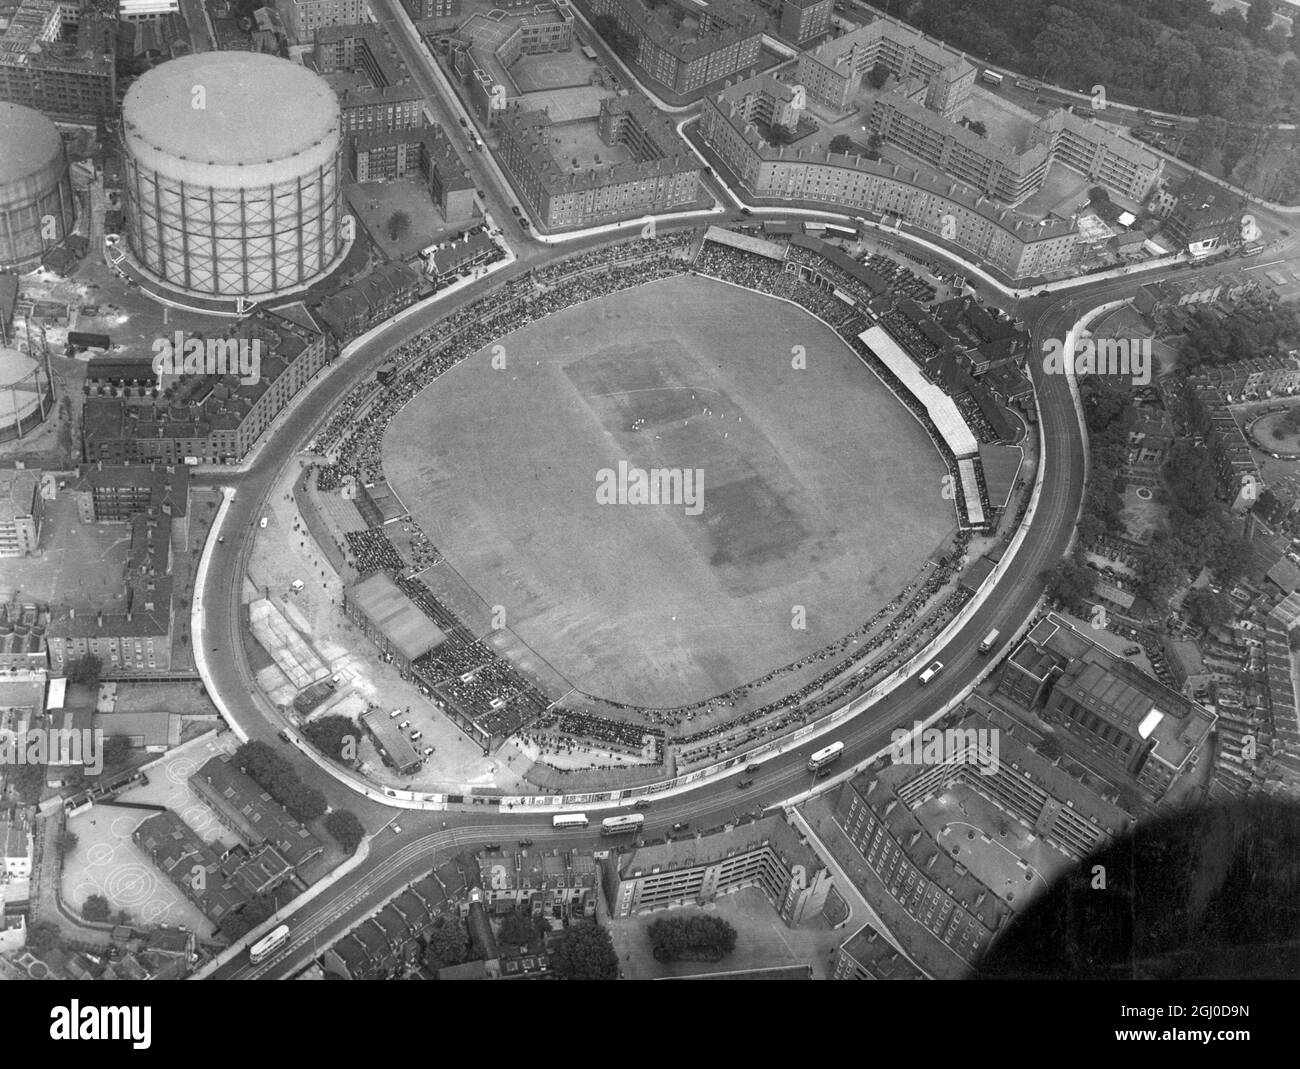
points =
(820, 493)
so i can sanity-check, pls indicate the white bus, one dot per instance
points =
(814, 228)
(570, 820)
(833, 231)
(992, 77)
(621, 825)
(825, 756)
(268, 944)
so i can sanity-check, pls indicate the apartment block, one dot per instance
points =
(725, 39)
(948, 211)
(663, 176)
(21, 509)
(766, 853)
(66, 79)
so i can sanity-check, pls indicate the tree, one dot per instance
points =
(841, 143)
(878, 75)
(516, 930)
(65, 843)
(447, 943)
(96, 909)
(346, 828)
(587, 953)
(399, 223)
(42, 937)
(334, 736)
(978, 128)
(1207, 608)
(85, 669)
(1071, 584)
(696, 935)
(117, 750)
(29, 783)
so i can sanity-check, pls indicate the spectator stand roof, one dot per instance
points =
(943, 411)
(970, 489)
(744, 243)
(1001, 464)
(404, 626)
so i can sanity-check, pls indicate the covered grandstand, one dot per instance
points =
(395, 747)
(745, 243)
(970, 492)
(391, 619)
(941, 408)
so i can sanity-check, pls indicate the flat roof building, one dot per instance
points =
(244, 807)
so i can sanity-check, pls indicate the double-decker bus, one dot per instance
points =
(268, 944)
(621, 825)
(814, 228)
(833, 231)
(570, 820)
(825, 756)
(992, 77)
(1160, 124)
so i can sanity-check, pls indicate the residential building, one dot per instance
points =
(803, 20)
(663, 177)
(943, 210)
(21, 509)
(724, 39)
(868, 955)
(433, 9)
(40, 67)
(411, 152)
(210, 419)
(16, 853)
(1206, 217)
(178, 852)
(302, 18)
(362, 304)
(251, 813)
(766, 853)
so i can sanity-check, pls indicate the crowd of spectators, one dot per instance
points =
(371, 552)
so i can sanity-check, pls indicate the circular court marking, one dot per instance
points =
(131, 885)
(180, 770)
(155, 910)
(122, 827)
(197, 816)
(100, 854)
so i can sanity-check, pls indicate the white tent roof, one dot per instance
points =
(941, 408)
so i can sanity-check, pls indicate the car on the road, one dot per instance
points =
(515, 208)
(524, 844)
(397, 829)
(283, 735)
(221, 540)
(681, 825)
(641, 803)
(931, 672)
(745, 211)
(742, 784)
(1132, 651)
(404, 724)
(753, 768)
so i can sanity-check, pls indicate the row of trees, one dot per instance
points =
(276, 776)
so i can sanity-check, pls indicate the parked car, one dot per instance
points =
(742, 784)
(426, 751)
(524, 844)
(394, 714)
(681, 825)
(641, 803)
(416, 736)
(404, 724)
(464, 123)
(524, 223)
(515, 208)
(492, 848)
(754, 768)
